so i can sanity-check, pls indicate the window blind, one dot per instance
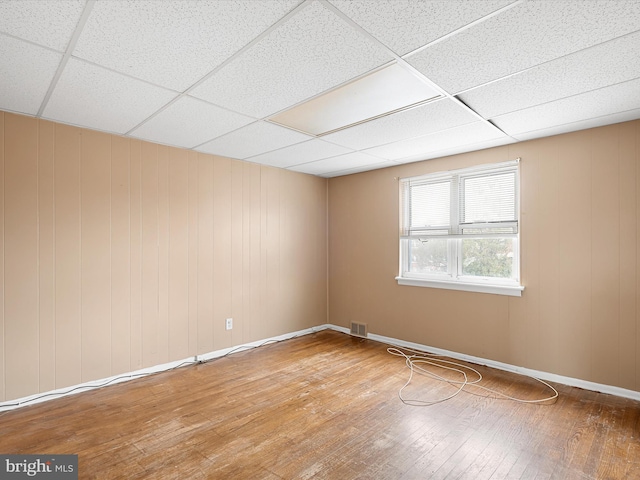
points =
(477, 202)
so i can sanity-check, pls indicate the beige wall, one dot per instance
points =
(580, 217)
(120, 254)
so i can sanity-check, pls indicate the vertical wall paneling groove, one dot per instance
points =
(627, 261)
(530, 168)
(163, 254)
(136, 254)
(255, 239)
(286, 272)
(237, 293)
(222, 251)
(95, 224)
(262, 327)
(46, 272)
(179, 331)
(2, 323)
(120, 256)
(21, 256)
(272, 236)
(67, 255)
(574, 271)
(636, 135)
(550, 223)
(150, 242)
(192, 227)
(605, 256)
(246, 252)
(205, 253)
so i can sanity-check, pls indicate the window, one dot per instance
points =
(459, 230)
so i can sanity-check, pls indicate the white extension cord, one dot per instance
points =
(415, 359)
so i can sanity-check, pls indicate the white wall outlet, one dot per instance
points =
(229, 324)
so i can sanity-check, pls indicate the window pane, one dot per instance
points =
(428, 256)
(487, 257)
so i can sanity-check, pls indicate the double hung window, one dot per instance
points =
(460, 229)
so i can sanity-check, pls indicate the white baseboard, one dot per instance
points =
(550, 377)
(124, 377)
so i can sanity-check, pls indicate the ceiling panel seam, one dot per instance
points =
(537, 65)
(67, 54)
(206, 77)
(463, 28)
(604, 87)
(404, 63)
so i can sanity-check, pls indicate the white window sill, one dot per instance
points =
(511, 290)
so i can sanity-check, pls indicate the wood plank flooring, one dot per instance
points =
(325, 406)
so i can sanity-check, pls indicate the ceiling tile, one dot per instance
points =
(259, 137)
(605, 101)
(521, 37)
(190, 122)
(341, 162)
(363, 168)
(174, 43)
(300, 152)
(310, 53)
(456, 149)
(404, 25)
(45, 22)
(428, 118)
(605, 64)
(436, 142)
(93, 97)
(626, 116)
(26, 71)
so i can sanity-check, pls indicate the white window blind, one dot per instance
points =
(479, 202)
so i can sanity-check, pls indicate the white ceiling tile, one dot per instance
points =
(310, 53)
(581, 125)
(605, 64)
(521, 37)
(605, 101)
(257, 138)
(457, 149)
(45, 22)
(190, 122)
(341, 162)
(93, 97)
(299, 153)
(174, 43)
(428, 118)
(404, 25)
(435, 142)
(364, 168)
(26, 71)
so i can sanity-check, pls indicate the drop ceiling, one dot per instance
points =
(215, 76)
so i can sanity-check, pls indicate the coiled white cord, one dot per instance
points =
(414, 359)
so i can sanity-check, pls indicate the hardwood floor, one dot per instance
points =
(325, 406)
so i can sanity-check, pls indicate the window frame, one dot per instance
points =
(454, 279)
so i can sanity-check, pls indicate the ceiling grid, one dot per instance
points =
(211, 75)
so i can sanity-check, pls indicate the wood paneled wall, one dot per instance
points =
(579, 315)
(119, 254)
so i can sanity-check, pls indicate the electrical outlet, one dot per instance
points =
(229, 324)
